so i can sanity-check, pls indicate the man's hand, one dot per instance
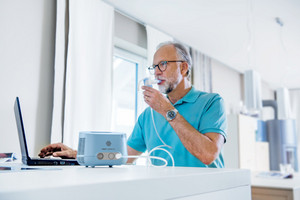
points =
(58, 150)
(156, 100)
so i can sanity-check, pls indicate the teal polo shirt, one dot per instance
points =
(204, 111)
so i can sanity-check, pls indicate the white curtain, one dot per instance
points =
(61, 46)
(201, 71)
(88, 72)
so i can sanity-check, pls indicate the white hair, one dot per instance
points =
(182, 53)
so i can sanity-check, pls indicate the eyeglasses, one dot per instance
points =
(162, 66)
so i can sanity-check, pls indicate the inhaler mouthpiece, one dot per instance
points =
(147, 82)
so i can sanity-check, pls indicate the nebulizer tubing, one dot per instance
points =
(149, 157)
(149, 161)
(149, 82)
(157, 131)
(159, 148)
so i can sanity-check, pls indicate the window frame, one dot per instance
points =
(141, 72)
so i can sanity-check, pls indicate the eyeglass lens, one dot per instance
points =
(161, 66)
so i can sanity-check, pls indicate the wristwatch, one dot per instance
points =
(171, 114)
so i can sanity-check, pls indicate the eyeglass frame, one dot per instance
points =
(152, 67)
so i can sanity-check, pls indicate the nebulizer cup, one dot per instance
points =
(147, 82)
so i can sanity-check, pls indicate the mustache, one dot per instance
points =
(160, 78)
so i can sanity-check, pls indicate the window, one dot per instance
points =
(128, 69)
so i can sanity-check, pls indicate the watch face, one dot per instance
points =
(171, 114)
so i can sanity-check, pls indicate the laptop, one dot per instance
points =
(23, 144)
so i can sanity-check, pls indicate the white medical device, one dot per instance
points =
(97, 148)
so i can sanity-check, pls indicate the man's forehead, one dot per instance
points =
(165, 52)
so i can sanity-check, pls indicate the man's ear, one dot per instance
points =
(184, 68)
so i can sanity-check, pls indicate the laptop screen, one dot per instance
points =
(21, 132)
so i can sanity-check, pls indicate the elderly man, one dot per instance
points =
(191, 123)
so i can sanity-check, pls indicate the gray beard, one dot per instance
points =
(166, 89)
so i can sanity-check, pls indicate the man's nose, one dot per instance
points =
(157, 71)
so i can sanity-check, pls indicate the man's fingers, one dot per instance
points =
(148, 89)
(52, 147)
(60, 154)
(49, 149)
(42, 155)
(149, 93)
(57, 150)
(55, 146)
(64, 154)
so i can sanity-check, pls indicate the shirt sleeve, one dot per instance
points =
(136, 139)
(214, 117)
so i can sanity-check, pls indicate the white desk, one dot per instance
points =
(126, 182)
(279, 189)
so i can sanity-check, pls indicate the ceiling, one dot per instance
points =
(242, 34)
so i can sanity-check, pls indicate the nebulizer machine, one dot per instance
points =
(97, 148)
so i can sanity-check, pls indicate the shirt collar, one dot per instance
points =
(190, 97)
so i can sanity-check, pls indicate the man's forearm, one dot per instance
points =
(206, 147)
(132, 152)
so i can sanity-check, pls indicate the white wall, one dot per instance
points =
(227, 82)
(26, 70)
(230, 85)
